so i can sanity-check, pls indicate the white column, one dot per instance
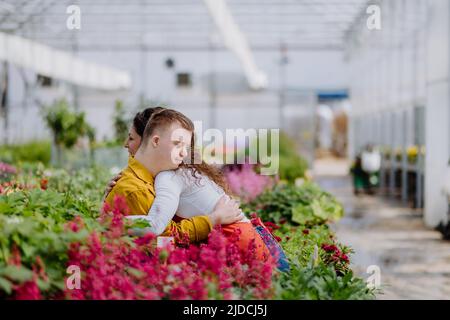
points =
(437, 111)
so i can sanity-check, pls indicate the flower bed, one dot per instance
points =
(301, 217)
(51, 220)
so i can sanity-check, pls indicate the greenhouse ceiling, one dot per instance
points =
(181, 24)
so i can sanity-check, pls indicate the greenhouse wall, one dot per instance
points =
(400, 92)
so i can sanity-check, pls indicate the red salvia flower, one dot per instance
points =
(115, 268)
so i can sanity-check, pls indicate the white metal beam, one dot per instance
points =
(236, 42)
(60, 65)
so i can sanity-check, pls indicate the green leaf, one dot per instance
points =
(43, 285)
(5, 285)
(140, 223)
(135, 272)
(317, 210)
(17, 273)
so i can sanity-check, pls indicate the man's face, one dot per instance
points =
(173, 146)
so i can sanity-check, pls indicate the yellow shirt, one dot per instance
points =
(137, 186)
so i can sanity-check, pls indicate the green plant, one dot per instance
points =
(87, 182)
(120, 122)
(320, 268)
(309, 246)
(305, 205)
(290, 164)
(33, 151)
(36, 238)
(67, 126)
(320, 283)
(33, 223)
(292, 167)
(299, 243)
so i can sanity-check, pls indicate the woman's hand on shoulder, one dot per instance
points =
(111, 185)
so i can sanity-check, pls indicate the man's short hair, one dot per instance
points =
(162, 119)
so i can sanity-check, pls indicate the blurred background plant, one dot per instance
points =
(121, 122)
(291, 166)
(67, 127)
(30, 152)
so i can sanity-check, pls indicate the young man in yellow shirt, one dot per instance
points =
(161, 151)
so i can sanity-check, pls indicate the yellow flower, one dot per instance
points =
(412, 153)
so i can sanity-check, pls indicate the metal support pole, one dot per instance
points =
(404, 161)
(75, 89)
(383, 160)
(143, 59)
(419, 180)
(393, 160)
(4, 90)
(212, 87)
(282, 93)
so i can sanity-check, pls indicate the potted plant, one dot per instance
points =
(67, 127)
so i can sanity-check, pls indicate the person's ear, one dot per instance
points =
(155, 141)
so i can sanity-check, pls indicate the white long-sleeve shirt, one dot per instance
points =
(178, 192)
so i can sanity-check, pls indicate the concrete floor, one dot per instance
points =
(414, 261)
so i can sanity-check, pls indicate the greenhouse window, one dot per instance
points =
(184, 79)
(44, 81)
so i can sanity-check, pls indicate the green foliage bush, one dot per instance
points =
(320, 266)
(67, 126)
(34, 222)
(121, 123)
(321, 283)
(291, 165)
(34, 151)
(305, 205)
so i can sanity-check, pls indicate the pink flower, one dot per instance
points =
(75, 225)
(15, 258)
(7, 169)
(329, 247)
(28, 291)
(115, 268)
(246, 183)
